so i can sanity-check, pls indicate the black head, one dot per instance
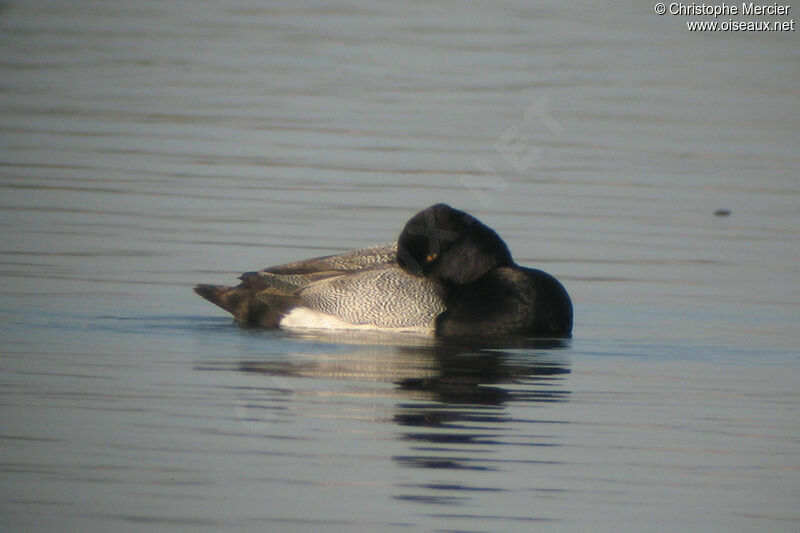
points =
(450, 246)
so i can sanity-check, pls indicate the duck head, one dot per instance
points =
(450, 246)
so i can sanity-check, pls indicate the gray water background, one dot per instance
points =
(148, 146)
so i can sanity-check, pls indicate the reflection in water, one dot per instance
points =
(455, 399)
(458, 418)
(447, 372)
(470, 374)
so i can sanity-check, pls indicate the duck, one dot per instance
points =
(447, 275)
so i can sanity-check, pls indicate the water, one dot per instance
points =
(147, 147)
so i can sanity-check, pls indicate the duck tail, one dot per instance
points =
(214, 294)
(238, 301)
(244, 303)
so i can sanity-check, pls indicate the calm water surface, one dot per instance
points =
(148, 146)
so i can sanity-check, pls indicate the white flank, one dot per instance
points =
(304, 318)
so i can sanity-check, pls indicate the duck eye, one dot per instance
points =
(431, 257)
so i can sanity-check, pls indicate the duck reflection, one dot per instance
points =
(453, 397)
(443, 373)
(469, 374)
(457, 407)
(465, 418)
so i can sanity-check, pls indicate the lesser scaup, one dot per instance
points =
(448, 274)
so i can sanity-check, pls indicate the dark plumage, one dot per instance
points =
(484, 291)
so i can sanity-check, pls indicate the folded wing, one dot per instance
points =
(361, 287)
(382, 296)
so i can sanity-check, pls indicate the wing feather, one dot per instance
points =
(352, 260)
